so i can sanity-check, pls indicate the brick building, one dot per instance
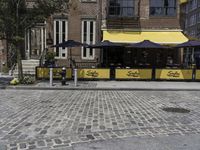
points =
(192, 18)
(82, 22)
(121, 21)
(132, 21)
(190, 23)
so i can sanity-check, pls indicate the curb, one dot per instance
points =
(2, 87)
(93, 89)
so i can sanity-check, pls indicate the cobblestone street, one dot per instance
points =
(34, 119)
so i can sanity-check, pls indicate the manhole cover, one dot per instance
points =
(176, 110)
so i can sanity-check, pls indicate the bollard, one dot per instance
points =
(63, 76)
(51, 77)
(75, 77)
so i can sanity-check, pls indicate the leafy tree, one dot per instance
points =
(15, 17)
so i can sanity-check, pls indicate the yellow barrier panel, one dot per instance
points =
(43, 73)
(133, 73)
(94, 73)
(174, 74)
(197, 75)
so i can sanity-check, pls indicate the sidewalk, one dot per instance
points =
(172, 142)
(113, 85)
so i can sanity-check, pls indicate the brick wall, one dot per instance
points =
(78, 11)
(146, 21)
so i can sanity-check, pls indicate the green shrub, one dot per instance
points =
(28, 80)
(50, 56)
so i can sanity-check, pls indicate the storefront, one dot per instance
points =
(144, 58)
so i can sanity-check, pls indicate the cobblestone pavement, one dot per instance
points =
(69, 84)
(58, 119)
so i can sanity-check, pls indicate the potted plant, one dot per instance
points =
(50, 59)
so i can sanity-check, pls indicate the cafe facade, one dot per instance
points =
(119, 21)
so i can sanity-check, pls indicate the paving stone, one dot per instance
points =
(43, 132)
(13, 145)
(40, 143)
(22, 145)
(60, 146)
(58, 141)
(28, 124)
(32, 147)
(92, 114)
(91, 137)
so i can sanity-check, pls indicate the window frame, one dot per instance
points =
(88, 38)
(60, 36)
(121, 9)
(163, 10)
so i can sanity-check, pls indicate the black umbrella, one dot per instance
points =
(70, 44)
(146, 44)
(190, 43)
(105, 44)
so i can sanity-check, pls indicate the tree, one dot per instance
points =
(15, 17)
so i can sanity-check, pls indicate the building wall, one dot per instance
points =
(78, 11)
(98, 10)
(192, 18)
(145, 21)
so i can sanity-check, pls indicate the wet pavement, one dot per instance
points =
(38, 119)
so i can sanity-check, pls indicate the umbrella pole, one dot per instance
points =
(70, 57)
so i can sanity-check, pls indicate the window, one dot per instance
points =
(88, 0)
(35, 41)
(192, 33)
(88, 37)
(60, 35)
(163, 7)
(121, 8)
(198, 17)
(193, 4)
(186, 23)
(193, 20)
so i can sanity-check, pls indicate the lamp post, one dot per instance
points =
(20, 71)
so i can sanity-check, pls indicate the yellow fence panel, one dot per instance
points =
(43, 73)
(174, 74)
(197, 75)
(94, 73)
(133, 73)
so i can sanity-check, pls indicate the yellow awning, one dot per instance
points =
(170, 37)
(183, 1)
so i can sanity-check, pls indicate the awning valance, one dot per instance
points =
(162, 37)
(183, 1)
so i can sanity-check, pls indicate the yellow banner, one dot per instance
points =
(197, 75)
(183, 1)
(94, 73)
(133, 73)
(43, 73)
(174, 74)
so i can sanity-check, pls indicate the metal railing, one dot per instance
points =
(42, 57)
